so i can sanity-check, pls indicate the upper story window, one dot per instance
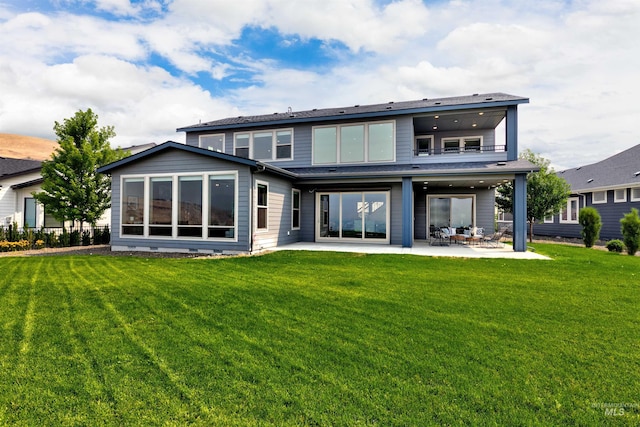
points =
(570, 213)
(212, 142)
(599, 197)
(264, 145)
(462, 144)
(635, 194)
(354, 143)
(620, 195)
(424, 145)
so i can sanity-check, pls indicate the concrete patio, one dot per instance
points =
(422, 248)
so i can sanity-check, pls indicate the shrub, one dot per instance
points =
(86, 238)
(615, 245)
(591, 223)
(21, 245)
(39, 244)
(64, 239)
(74, 238)
(631, 231)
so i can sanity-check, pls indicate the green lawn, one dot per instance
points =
(295, 338)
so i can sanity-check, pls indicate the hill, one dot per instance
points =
(26, 147)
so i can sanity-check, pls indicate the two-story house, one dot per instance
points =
(381, 174)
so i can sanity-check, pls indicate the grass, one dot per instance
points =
(300, 338)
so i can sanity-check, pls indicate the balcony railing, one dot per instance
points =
(459, 150)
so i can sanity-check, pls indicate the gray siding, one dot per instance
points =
(307, 215)
(396, 214)
(175, 161)
(279, 199)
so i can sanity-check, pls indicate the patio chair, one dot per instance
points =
(494, 240)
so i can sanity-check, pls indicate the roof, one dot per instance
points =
(15, 167)
(363, 111)
(622, 169)
(172, 145)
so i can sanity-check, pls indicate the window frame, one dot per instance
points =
(615, 195)
(462, 144)
(200, 144)
(567, 210)
(175, 206)
(366, 143)
(635, 198)
(599, 202)
(430, 149)
(33, 209)
(259, 207)
(295, 191)
(274, 144)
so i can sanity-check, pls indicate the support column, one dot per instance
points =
(512, 132)
(407, 212)
(520, 213)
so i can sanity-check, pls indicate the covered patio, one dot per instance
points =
(420, 247)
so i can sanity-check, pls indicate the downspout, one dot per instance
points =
(259, 169)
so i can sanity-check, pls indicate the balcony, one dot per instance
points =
(427, 151)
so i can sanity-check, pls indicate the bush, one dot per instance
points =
(64, 239)
(21, 245)
(591, 223)
(631, 231)
(615, 245)
(74, 238)
(86, 238)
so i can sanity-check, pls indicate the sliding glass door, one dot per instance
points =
(451, 211)
(353, 216)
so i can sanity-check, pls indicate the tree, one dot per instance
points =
(547, 193)
(630, 228)
(72, 190)
(591, 222)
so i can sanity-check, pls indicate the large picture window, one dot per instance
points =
(212, 142)
(353, 215)
(194, 206)
(265, 145)
(354, 143)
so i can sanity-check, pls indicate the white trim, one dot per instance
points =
(461, 140)
(146, 179)
(266, 229)
(299, 209)
(274, 144)
(567, 209)
(210, 147)
(599, 202)
(365, 142)
(416, 150)
(636, 197)
(615, 195)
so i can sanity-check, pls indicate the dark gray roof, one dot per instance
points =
(622, 169)
(14, 167)
(362, 111)
(433, 169)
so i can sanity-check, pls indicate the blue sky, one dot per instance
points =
(148, 67)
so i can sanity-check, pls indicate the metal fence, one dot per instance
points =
(13, 237)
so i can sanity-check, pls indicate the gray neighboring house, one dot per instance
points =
(612, 186)
(383, 174)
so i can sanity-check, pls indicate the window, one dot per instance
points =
(29, 212)
(354, 143)
(569, 214)
(194, 206)
(190, 206)
(262, 193)
(212, 142)
(50, 221)
(295, 209)
(133, 206)
(548, 219)
(599, 197)
(462, 144)
(424, 145)
(265, 145)
(635, 194)
(353, 215)
(241, 145)
(620, 195)
(222, 206)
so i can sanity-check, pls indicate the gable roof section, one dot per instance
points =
(172, 145)
(622, 169)
(363, 111)
(16, 167)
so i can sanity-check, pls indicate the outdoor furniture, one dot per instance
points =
(441, 237)
(494, 240)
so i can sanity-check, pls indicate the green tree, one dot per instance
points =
(630, 228)
(591, 222)
(72, 190)
(547, 193)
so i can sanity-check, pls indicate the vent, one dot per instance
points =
(590, 180)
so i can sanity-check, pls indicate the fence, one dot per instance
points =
(14, 238)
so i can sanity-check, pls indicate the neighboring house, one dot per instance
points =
(387, 174)
(612, 186)
(19, 179)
